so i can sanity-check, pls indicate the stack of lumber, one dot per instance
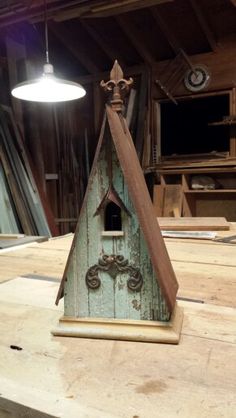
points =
(11, 240)
(72, 153)
(193, 224)
(21, 206)
(192, 227)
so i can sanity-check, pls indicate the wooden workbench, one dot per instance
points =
(66, 377)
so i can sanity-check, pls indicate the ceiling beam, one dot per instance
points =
(67, 40)
(65, 10)
(103, 44)
(35, 10)
(111, 8)
(204, 25)
(165, 29)
(133, 71)
(134, 36)
(118, 6)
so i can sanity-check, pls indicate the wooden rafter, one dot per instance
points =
(103, 44)
(94, 78)
(66, 39)
(204, 25)
(34, 10)
(64, 10)
(165, 29)
(108, 8)
(118, 6)
(134, 36)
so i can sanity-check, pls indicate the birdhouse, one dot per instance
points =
(118, 282)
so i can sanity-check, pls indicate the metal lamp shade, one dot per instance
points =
(48, 88)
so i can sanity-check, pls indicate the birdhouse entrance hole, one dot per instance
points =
(112, 217)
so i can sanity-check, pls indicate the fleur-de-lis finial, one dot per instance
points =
(117, 85)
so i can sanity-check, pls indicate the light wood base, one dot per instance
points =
(121, 329)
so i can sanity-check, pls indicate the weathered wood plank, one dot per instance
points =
(173, 199)
(193, 224)
(121, 295)
(158, 199)
(139, 375)
(195, 364)
(143, 207)
(202, 254)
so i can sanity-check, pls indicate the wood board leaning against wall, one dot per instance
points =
(22, 210)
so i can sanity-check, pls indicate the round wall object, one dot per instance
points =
(197, 79)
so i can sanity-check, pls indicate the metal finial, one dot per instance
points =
(117, 85)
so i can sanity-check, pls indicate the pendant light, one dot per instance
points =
(48, 88)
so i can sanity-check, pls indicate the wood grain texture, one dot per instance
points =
(221, 65)
(83, 208)
(173, 199)
(193, 224)
(143, 207)
(126, 371)
(158, 199)
(142, 244)
(112, 299)
(122, 330)
(135, 378)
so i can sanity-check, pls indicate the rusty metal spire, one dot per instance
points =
(117, 85)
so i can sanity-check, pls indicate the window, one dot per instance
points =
(186, 128)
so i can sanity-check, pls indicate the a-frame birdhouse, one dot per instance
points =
(118, 282)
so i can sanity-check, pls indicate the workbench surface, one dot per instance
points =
(69, 377)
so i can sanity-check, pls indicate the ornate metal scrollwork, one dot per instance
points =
(114, 264)
(117, 85)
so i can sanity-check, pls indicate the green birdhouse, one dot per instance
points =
(118, 282)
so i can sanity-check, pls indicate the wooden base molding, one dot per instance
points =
(123, 329)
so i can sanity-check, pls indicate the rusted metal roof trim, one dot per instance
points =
(141, 200)
(112, 196)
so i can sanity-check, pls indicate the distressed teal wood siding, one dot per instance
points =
(112, 299)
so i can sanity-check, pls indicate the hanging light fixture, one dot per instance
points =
(48, 88)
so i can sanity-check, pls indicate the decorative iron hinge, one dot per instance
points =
(114, 264)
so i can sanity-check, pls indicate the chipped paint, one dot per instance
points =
(116, 167)
(112, 299)
(136, 305)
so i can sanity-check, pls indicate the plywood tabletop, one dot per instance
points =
(69, 377)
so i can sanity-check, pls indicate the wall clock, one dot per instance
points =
(197, 79)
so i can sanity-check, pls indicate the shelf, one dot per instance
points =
(175, 192)
(211, 191)
(228, 166)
